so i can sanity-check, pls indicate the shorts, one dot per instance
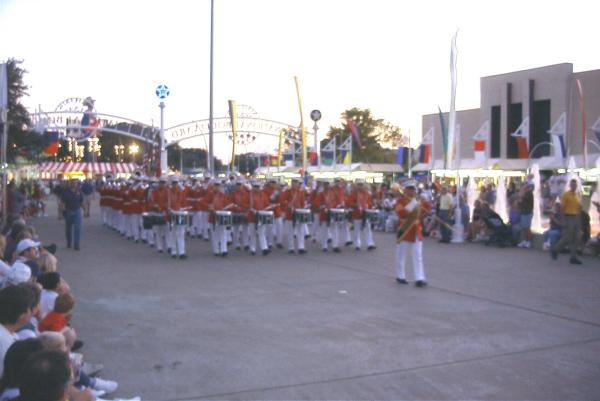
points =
(87, 199)
(526, 221)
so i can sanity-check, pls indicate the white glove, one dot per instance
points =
(411, 205)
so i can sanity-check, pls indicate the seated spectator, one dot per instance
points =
(47, 262)
(552, 235)
(20, 271)
(15, 312)
(30, 329)
(56, 341)
(52, 286)
(514, 221)
(476, 227)
(46, 376)
(14, 361)
(58, 319)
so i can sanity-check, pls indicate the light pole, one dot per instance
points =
(211, 161)
(133, 150)
(162, 91)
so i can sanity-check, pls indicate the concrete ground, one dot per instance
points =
(493, 323)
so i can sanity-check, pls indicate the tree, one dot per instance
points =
(373, 133)
(21, 141)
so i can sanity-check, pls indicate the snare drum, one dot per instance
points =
(223, 218)
(179, 218)
(303, 216)
(265, 217)
(337, 215)
(239, 219)
(372, 215)
(150, 220)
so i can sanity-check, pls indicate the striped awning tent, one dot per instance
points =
(93, 168)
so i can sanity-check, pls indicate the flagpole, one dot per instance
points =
(334, 151)
(409, 157)
(350, 164)
(302, 131)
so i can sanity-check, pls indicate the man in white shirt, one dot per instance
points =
(20, 272)
(15, 312)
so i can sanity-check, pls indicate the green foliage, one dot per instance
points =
(21, 143)
(374, 133)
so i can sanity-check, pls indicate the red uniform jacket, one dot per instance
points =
(416, 230)
(359, 201)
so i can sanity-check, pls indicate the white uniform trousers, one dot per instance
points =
(149, 236)
(327, 232)
(367, 232)
(239, 235)
(134, 221)
(104, 214)
(219, 239)
(315, 229)
(347, 232)
(258, 232)
(295, 230)
(204, 225)
(178, 239)
(160, 236)
(336, 233)
(196, 228)
(276, 233)
(169, 237)
(122, 226)
(417, 259)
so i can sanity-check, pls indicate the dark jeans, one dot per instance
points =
(444, 230)
(73, 227)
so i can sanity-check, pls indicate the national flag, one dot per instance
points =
(328, 152)
(423, 153)
(346, 157)
(522, 135)
(264, 160)
(480, 139)
(274, 160)
(50, 143)
(558, 132)
(312, 157)
(354, 130)
(596, 128)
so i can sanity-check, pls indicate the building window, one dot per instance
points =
(515, 118)
(495, 132)
(539, 129)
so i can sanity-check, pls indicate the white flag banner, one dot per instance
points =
(523, 130)
(483, 133)
(558, 132)
(330, 147)
(347, 144)
(596, 126)
(428, 137)
(452, 112)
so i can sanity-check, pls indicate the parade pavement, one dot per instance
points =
(492, 324)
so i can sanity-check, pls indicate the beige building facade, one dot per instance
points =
(542, 94)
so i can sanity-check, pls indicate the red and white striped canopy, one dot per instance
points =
(94, 168)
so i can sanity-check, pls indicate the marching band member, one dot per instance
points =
(205, 194)
(327, 200)
(273, 191)
(147, 190)
(158, 202)
(291, 200)
(241, 200)
(177, 204)
(194, 194)
(220, 201)
(360, 200)
(258, 201)
(340, 191)
(314, 208)
(409, 235)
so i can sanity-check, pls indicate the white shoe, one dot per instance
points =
(107, 385)
(546, 246)
(97, 393)
(521, 244)
(527, 244)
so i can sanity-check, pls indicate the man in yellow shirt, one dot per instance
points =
(571, 208)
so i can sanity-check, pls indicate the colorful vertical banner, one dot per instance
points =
(328, 153)
(444, 137)
(50, 143)
(522, 135)
(302, 130)
(233, 117)
(583, 122)
(354, 130)
(480, 140)
(558, 132)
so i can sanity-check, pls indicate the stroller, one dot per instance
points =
(498, 232)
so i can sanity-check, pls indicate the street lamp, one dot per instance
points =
(94, 147)
(119, 151)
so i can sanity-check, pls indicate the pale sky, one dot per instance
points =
(389, 56)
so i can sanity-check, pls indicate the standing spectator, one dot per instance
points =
(526, 208)
(72, 200)
(444, 214)
(570, 205)
(514, 221)
(87, 189)
(15, 200)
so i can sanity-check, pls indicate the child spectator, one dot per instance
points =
(57, 319)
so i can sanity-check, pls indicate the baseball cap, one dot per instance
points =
(19, 273)
(25, 244)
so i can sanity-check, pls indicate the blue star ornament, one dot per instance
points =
(162, 91)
